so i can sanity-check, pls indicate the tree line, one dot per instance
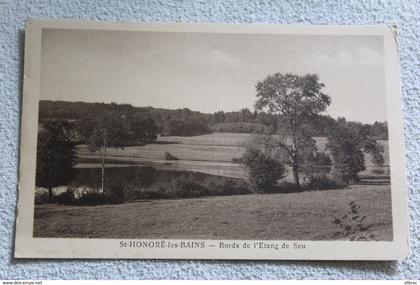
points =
(185, 122)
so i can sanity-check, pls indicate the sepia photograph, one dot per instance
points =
(211, 133)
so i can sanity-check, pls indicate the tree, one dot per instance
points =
(219, 117)
(143, 127)
(345, 146)
(115, 125)
(246, 115)
(263, 170)
(55, 156)
(188, 126)
(299, 100)
(379, 130)
(376, 151)
(111, 129)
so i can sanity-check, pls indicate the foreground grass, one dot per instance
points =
(300, 216)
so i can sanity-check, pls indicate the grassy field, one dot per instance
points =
(211, 153)
(216, 147)
(301, 216)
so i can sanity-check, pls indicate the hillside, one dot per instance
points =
(186, 122)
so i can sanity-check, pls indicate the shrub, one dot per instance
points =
(321, 158)
(263, 170)
(89, 198)
(116, 194)
(345, 146)
(378, 159)
(41, 197)
(310, 169)
(188, 126)
(236, 160)
(225, 186)
(145, 176)
(190, 185)
(187, 187)
(376, 151)
(185, 184)
(352, 224)
(67, 197)
(178, 188)
(284, 187)
(169, 156)
(92, 199)
(157, 191)
(323, 182)
(344, 170)
(134, 183)
(348, 161)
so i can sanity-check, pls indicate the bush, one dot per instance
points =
(321, 158)
(169, 156)
(225, 186)
(192, 185)
(116, 194)
(310, 169)
(145, 176)
(348, 161)
(41, 197)
(378, 159)
(263, 170)
(284, 187)
(376, 151)
(156, 191)
(67, 197)
(352, 223)
(236, 160)
(188, 187)
(92, 199)
(188, 126)
(125, 184)
(323, 182)
(344, 170)
(345, 147)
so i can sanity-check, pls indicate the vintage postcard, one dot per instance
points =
(203, 141)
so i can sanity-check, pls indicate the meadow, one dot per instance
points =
(204, 195)
(293, 216)
(210, 153)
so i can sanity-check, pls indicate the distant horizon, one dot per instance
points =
(210, 72)
(174, 109)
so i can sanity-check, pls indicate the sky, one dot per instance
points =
(209, 72)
